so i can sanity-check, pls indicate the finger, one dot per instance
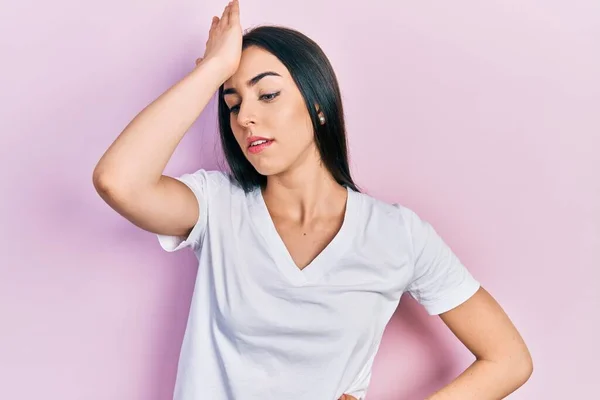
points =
(235, 12)
(225, 17)
(213, 26)
(198, 60)
(215, 22)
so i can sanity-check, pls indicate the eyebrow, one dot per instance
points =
(252, 81)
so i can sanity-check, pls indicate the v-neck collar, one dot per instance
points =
(260, 216)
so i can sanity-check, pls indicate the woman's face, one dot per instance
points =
(266, 105)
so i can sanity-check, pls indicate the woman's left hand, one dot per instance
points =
(347, 397)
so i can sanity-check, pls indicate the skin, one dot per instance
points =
(503, 362)
(305, 202)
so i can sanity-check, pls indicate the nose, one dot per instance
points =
(246, 115)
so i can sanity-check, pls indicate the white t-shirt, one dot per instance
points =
(260, 328)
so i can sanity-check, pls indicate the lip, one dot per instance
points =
(260, 147)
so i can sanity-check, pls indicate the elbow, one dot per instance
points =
(513, 369)
(519, 368)
(102, 182)
(526, 368)
(99, 180)
(524, 365)
(107, 186)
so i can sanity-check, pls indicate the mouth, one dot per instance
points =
(256, 144)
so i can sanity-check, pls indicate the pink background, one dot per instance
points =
(484, 117)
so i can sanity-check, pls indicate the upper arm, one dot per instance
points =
(169, 208)
(445, 287)
(485, 329)
(440, 281)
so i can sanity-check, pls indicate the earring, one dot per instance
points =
(322, 119)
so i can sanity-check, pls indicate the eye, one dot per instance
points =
(269, 96)
(265, 97)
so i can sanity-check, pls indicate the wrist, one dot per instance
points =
(214, 69)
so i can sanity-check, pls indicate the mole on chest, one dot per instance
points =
(304, 244)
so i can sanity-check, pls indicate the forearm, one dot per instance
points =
(140, 153)
(485, 380)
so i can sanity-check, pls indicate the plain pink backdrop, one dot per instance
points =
(484, 117)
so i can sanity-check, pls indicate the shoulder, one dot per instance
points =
(394, 219)
(213, 182)
(394, 213)
(210, 177)
(381, 218)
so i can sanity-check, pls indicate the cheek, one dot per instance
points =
(238, 132)
(292, 124)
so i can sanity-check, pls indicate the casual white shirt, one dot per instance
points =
(261, 328)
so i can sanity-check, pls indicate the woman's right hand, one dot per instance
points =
(224, 44)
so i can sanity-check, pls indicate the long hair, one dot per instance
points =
(317, 82)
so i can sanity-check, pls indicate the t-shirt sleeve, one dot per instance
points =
(198, 182)
(440, 281)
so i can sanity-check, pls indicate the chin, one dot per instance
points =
(268, 167)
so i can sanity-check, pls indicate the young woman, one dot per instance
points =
(299, 272)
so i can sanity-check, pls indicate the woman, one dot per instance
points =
(299, 272)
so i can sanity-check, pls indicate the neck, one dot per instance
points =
(304, 192)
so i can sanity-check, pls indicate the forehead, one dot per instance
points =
(254, 61)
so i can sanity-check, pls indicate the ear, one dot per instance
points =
(320, 114)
